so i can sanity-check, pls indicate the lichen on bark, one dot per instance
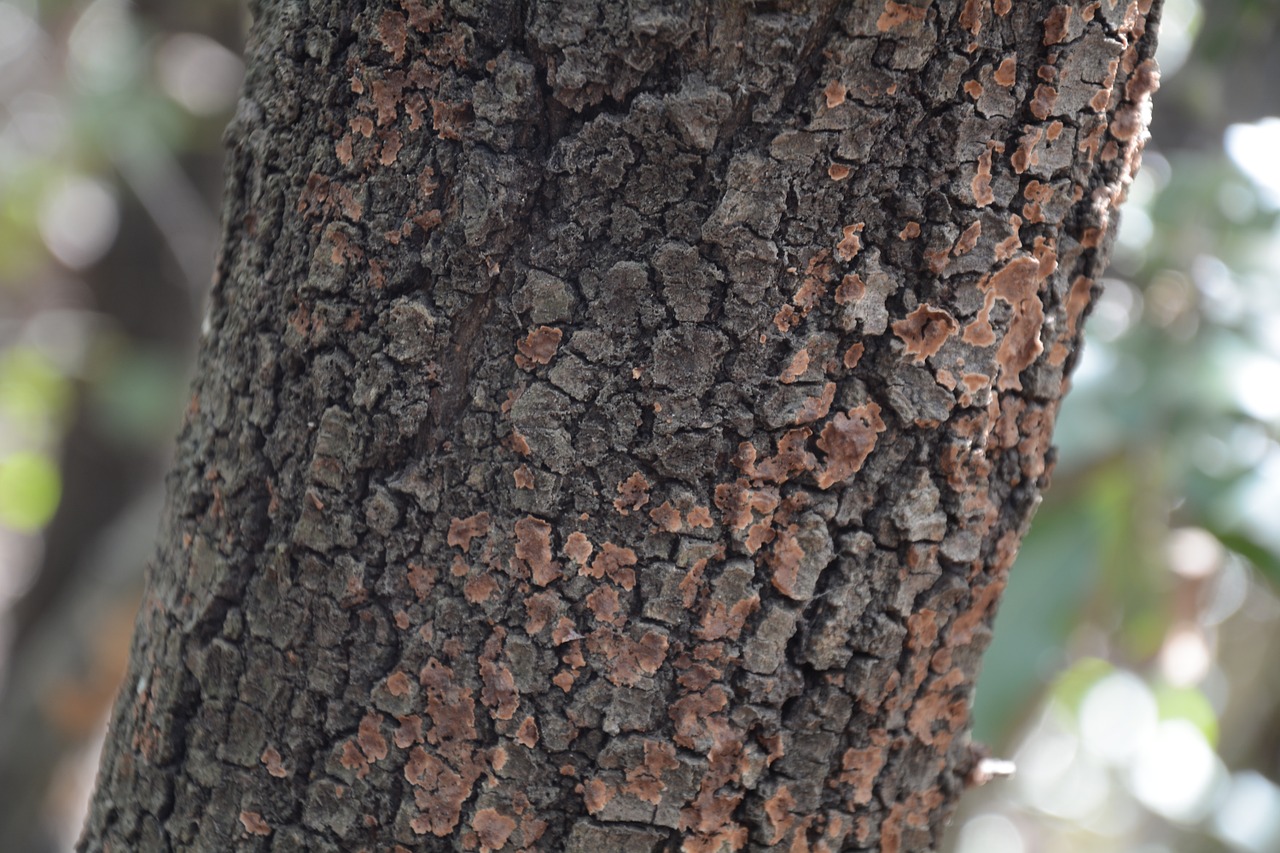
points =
(617, 421)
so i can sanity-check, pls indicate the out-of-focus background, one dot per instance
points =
(1135, 674)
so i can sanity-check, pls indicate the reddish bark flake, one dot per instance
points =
(463, 530)
(408, 732)
(795, 369)
(439, 793)
(785, 560)
(835, 93)
(853, 355)
(596, 794)
(1007, 74)
(274, 762)
(848, 440)
(492, 828)
(633, 493)
(527, 735)
(851, 289)
(666, 517)
(541, 607)
(369, 736)
(968, 240)
(1043, 102)
(616, 562)
(838, 171)
(538, 347)
(816, 408)
(850, 243)
(700, 516)
(973, 89)
(254, 824)
(778, 809)
(792, 458)
(971, 16)
(533, 547)
(523, 477)
(398, 683)
(981, 184)
(578, 547)
(910, 231)
(480, 588)
(1056, 24)
(861, 767)
(605, 606)
(925, 330)
(897, 14)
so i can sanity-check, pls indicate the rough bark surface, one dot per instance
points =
(616, 421)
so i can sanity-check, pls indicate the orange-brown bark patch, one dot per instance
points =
(981, 184)
(369, 736)
(254, 824)
(973, 89)
(538, 347)
(1026, 157)
(861, 767)
(633, 493)
(721, 622)
(968, 240)
(398, 683)
(971, 16)
(463, 530)
(1007, 74)
(778, 809)
(816, 408)
(1056, 24)
(492, 828)
(897, 14)
(851, 289)
(533, 546)
(408, 732)
(540, 608)
(480, 588)
(700, 516)
(274, 762)
(848, 440)
(523, 477)
(795, 369)
(438, 792)
(616, 562)
(1042, 104)
(578, 547)
(498, 691)
(666, 517)
(850, 243)
(925, 330)
(421, 580)
(527, 735)
(605, 607)
(835, 93)
(596, 795)
(910, 231)
(838, 171)
(853, 355)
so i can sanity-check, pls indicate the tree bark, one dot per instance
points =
(616, 421)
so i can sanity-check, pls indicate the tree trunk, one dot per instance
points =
(616, 421)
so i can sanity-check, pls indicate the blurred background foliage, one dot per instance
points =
(1135, 674)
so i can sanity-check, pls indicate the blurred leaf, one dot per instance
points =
(1070, 687)
(33, 393)
(1266, 561)
(1188, 703)
(29, 491)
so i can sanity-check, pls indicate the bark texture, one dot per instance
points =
(617, 420)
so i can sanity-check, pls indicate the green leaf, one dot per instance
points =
(29, 491)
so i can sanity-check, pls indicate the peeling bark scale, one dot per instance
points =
(617, 420)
